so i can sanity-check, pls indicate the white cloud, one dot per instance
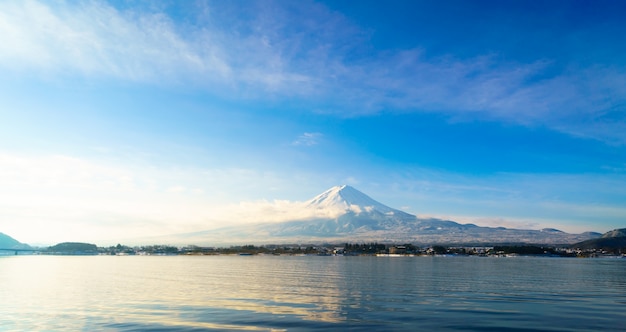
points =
(94, 39)
(47, 199)
(579, 101)
(308, 139)
(356, 209)
(272, 211)
(268, 51)
(54, 198)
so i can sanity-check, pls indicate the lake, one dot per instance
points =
(304, 293)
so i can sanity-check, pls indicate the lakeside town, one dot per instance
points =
(346, 249)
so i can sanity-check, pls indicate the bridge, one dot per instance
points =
(19, 250)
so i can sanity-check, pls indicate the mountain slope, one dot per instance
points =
(7, 242)
(343, 213)
(621, 232)
(615, 239)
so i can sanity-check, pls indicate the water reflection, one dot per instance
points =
(285, 293)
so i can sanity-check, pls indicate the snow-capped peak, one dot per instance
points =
(346, 198)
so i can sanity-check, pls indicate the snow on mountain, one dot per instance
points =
(347, 198)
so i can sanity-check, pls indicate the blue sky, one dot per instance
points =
(129, 118)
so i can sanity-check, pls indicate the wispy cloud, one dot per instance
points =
(585, 102)
(306, 51)
(308, 139)
(95, 39)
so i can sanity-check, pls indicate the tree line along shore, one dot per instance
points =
(345, 249)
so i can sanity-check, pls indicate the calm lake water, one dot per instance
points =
(287, 293)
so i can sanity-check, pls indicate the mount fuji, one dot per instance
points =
(342, 213)
(348, 211)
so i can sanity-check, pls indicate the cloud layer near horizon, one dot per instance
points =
(94, 200)
(278, 53)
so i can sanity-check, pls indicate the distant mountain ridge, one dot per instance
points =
(343, 213)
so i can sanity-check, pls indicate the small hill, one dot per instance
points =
(610, 241)
(7, 242)
(74, 248)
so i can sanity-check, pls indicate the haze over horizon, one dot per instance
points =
(121, 119)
